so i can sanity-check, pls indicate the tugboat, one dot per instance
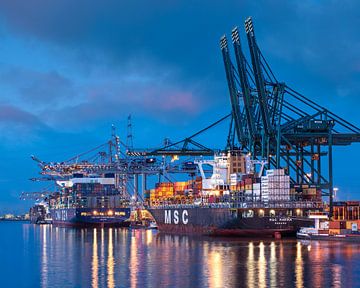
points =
(142, 219)
(40, 214)
(342, 227)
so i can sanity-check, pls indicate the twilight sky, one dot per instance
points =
(69, 69)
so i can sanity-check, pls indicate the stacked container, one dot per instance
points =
(265, 189)
(275, 186)
(179, 187)
(257, 191)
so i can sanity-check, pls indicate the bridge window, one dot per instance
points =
(248, 214)
(261, 213)
(272, 213)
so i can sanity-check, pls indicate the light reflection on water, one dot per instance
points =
(95, 261)
(63, 257)
(299, 266)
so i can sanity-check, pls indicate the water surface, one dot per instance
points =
(47, 256)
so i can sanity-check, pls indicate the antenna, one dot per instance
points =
(116, 142)
(129, 138)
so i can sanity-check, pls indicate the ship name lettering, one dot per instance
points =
(283, 219)
(176, 218)
(185, 214)
(167, 216)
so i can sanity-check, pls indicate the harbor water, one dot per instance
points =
(48, 256)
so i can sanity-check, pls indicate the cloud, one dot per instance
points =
(319, 37)
(114, 98)
(16, 125)
(180, 40)
(38, 88)
(11, 114)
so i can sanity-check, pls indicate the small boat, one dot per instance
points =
(321, 231)
(39, 214)
(144, 224)
(153, 225)
(313, 234)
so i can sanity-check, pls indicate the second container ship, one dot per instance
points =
(89, 201)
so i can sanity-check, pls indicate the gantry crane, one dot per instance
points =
(272, 121)
(109, 158)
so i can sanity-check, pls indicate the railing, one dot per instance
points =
(179, 206)
(250, 205)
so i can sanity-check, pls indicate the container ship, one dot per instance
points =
(230, 198)
(89, 201)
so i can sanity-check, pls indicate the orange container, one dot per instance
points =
(334, 224)
(337, 224)
(334, 231)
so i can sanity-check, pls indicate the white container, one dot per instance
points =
(256, 186)
(269, 172)
(233, 177)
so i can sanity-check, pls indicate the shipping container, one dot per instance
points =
(337, 224)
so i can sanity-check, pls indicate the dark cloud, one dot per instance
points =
(302, 35)
(11, 114)
(109, 100)
(169, 32)
(37, 87)
(18, 126)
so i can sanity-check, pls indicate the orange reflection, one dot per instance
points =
(273, 265)
(133, 261)
(102, 249)
(336, 276)
(148, 237)
(110, 262)
(250, 266)
(319, 257)
(95, 261)
(215, 269)
(299, 269)
(262, 265)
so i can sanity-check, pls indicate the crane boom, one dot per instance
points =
(259, 78)
(236, 113)
(245, 87)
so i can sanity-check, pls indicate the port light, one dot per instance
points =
(95, 212)
(298, 211)
(174, 158)
(110, 213)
